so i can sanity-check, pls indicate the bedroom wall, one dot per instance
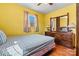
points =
(12, 19)
(71, 9)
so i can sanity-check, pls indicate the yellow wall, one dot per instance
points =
(12, 19)
(71, 9)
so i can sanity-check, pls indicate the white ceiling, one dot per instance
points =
(45, 8)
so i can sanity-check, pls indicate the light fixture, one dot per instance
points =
(72, 25)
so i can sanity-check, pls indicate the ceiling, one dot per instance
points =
(45, 8)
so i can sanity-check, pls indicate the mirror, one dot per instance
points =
(63, 21)
(59, 23)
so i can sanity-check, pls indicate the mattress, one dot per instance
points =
(41, 50)
(28, 43)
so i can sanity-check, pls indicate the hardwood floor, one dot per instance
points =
(62, 51)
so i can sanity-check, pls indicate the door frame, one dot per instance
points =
(77, 29)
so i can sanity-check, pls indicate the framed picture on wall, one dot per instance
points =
(31, 23)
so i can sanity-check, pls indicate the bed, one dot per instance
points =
(32, 45)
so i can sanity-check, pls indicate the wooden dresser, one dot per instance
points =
(66, 39)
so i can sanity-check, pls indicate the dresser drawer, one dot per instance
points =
(50, 34)
(67, 38)
(66, 43)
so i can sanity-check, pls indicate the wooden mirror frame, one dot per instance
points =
(58, 21)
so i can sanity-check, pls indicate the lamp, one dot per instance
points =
(71, 26)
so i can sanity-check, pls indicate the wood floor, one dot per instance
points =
(62, 51)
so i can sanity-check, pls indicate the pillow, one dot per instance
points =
(2, 37)
(15, 50)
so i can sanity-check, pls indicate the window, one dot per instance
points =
(31, 23)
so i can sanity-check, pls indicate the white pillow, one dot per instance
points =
(15, 50)
(2, 37)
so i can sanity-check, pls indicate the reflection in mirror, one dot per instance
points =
(53, 24)
(63, 21)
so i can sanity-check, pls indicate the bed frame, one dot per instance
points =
(44, 50)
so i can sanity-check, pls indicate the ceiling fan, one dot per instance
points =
(44, 3)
